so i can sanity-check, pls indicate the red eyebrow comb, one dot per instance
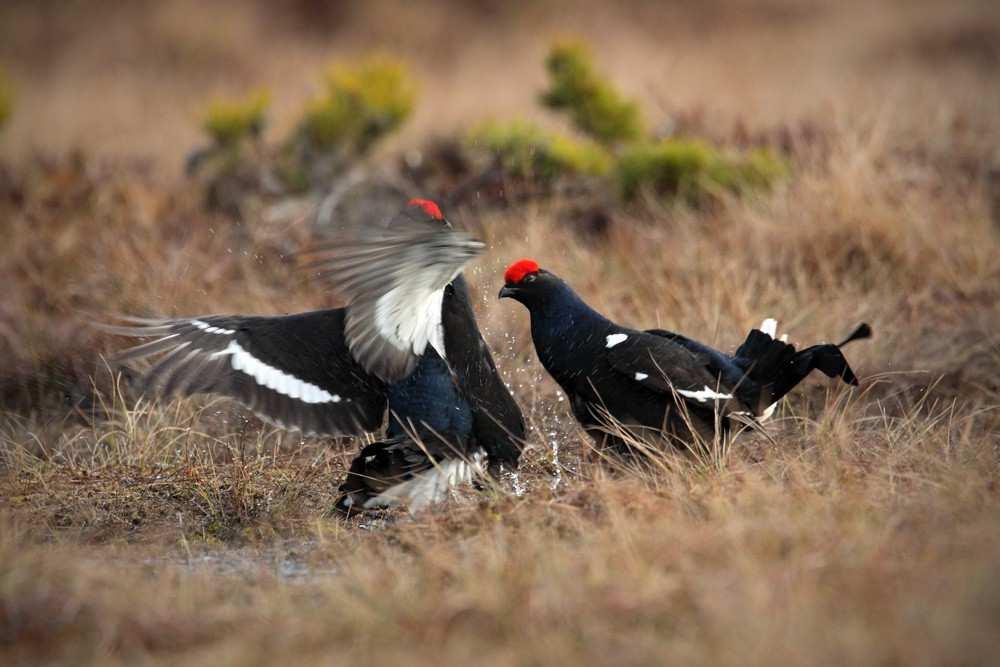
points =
(518, 270)
(430, 208)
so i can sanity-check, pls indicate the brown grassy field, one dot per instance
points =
(863, 529)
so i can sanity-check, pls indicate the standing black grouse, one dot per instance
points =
(407, 341)
(656, 383)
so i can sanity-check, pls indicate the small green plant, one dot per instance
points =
(759, 168)
(594, 106)
(525, 150)
(6, 99)
(693, 169)
(667, 167)
(361, 104)
(228, 122)
(579, 157)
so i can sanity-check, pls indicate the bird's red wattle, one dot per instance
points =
(518, 270)
(430, 208)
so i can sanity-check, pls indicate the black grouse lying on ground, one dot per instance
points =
(408, 341)
(646, 381)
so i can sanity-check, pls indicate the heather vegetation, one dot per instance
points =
(592, 103)
(616, 146)
(228, 123)
(610, 155)
(816, 163)
(360, 105)
(361, 102)
(692, 170)
(524, 150)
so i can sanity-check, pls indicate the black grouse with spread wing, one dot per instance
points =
(407, 343)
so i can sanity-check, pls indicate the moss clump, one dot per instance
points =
(228, 122)
(594, 106)
(693, 169)
(361, 104)
(526, 151)
(6, 99)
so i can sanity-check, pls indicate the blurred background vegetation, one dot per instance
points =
(607, 103)
(128, 78)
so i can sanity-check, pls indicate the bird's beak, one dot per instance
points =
(506, 292)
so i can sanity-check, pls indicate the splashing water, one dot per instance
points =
(513, 477)
(557, 475)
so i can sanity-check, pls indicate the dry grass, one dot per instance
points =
(864, 529)
(855, 540)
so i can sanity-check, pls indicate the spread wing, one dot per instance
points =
(498, 424)
(392, 277)
(662, 364)
(294, 371)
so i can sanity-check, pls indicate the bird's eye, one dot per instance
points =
(530, 278)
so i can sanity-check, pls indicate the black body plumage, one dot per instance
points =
(657, 383)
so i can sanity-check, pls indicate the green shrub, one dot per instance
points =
(594, 106)
(527, 151)
(228, 122)
(758, 169)
(579, 157)
(361, 104)
(693, 169)
(6, 99)
(761, 168)
(515, 144)
(667, 167)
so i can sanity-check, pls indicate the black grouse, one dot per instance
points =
(407, 342)
(656, 383)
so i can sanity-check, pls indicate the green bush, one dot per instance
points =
(578, 157)
(760, 168)
(692, 169)
(6, 99)
(527, 151)
(361, 104)
(594, 106)
(228, 122)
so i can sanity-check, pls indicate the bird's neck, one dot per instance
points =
(564, 326)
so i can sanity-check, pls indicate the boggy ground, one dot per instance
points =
(865, 528)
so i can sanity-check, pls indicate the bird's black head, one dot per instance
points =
(530, 284)
(560, 320)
